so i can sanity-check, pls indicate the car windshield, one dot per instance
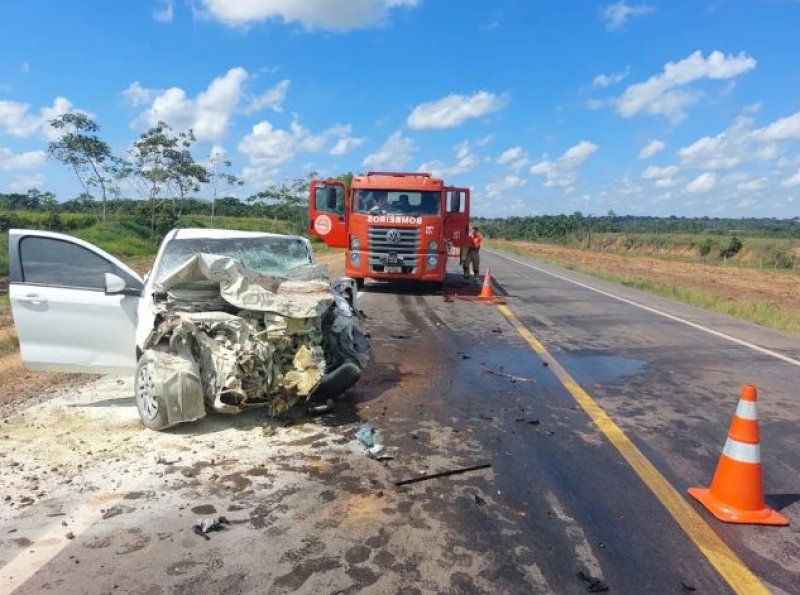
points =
(396, 202)
(268, 255)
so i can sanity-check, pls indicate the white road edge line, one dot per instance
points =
(694, 325)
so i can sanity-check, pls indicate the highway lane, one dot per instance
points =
(312, 514)
(678, 404)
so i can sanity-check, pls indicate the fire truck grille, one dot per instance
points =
(393, 249)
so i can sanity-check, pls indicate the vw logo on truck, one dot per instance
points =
(393, 236)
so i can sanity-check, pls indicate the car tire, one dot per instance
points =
(149, 400)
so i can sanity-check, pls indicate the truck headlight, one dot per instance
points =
(355, 243)
(432, 260)
(433, 246)
(355, 258)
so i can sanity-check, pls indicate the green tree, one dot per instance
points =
(287, 199)
(163, 161)
(219, 175)
(89, 156)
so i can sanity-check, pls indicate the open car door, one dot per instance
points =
(456, 217)
(74, 305)
(326, 210)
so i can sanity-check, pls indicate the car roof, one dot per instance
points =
(190, 233)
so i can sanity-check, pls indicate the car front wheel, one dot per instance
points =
(149, 400)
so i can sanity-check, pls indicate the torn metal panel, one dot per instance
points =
(178, 380)
(303, 295)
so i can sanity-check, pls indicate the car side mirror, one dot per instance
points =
(114, 283)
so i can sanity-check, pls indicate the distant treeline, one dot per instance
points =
(562, 228)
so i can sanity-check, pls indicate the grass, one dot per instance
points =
(762, 314)
(9, 345)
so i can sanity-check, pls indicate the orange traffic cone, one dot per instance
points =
(736, 494)
(487, 291)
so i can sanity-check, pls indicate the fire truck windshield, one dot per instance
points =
(396, 202)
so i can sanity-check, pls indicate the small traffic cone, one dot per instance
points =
(736, 494)
(487, 291)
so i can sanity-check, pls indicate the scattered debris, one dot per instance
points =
(442, 474)
(533, 422)
(479, 501)
(593, 584)
(688, 587)
(70, 535)
(545, 364)
(511, 377)
(205, 526)
(371, 439)
(465, 356)
(320, 409)
(367, 435)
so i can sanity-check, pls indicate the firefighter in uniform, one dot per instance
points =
(473, 253)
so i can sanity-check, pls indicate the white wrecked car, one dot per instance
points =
(225, 320)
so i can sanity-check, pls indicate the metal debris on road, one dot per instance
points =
(593, 584)
(442, 474)
(205, 526)
(370, 438)
(511, 377)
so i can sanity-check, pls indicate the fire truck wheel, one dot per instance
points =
(360, 282)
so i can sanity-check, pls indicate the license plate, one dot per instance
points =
(392, 259)
(394, 269)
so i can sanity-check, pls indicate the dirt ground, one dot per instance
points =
(743, 285)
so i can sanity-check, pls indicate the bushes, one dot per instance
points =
(45, 220)
(732, 248)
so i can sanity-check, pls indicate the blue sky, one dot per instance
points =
(540, 106)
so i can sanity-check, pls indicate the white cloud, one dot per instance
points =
(454, 110)
(485, 140)
(269, 147)
(16, 118)
(702, 183)
(662, 94)
(608, 80)
(654, 172)
(311, 14)
(514, 158)
(272, 99)
(24, 183)
(792, 181)
(499, 187)
(666, 183)
(395, 153)
(465, 161)
(561, 173)
(165, 12)
(617, 14)
(651, 148)
(345, 145)
(509, 155)
(137, 95)
(752, 185)
(208, 115)
(787, 128)
(10, 161)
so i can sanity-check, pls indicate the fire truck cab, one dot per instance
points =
(393, 225)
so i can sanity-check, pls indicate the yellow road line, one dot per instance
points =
(739, 577)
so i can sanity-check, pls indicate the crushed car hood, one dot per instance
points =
(303, 293)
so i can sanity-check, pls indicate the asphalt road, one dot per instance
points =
(98, 505)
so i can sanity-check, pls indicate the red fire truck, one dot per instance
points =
(393, 225)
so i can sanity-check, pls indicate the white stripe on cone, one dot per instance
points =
(742, 451)
(747, 410)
